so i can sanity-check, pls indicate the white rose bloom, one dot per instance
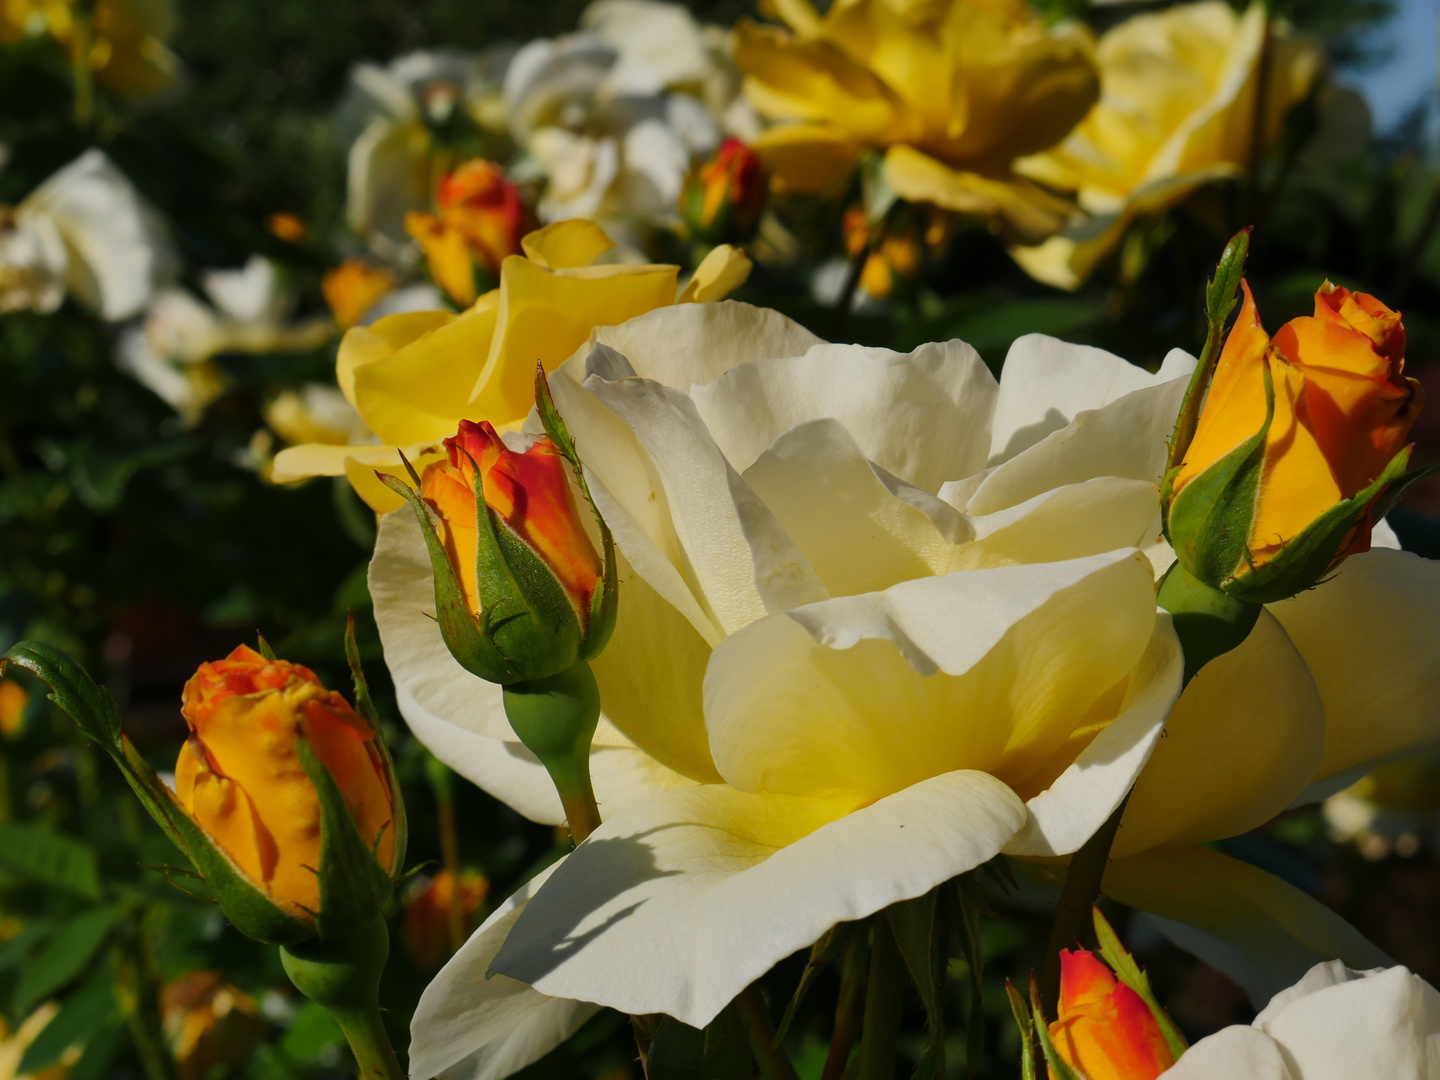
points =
(86, 231)
(248, 313)
(387, 118)
(1334, 1024)
(881, 620)
(614, 116)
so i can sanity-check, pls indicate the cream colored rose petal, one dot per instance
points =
(678, 903)
(470, 1025)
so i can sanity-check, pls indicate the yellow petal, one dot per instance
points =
(806, 159)
(810, 80)
(422, 390)
(1244, 739)
(365, 344)
(719, 274)
(576, 242)
(908, 54)
(545, 315)
(448, 254)
(1027, 209)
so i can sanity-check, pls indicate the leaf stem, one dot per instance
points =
(774, 1065)
(884, 1002)
(369, 1042)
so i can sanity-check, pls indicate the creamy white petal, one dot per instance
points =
(1242, 921)
(1082, 798)
(1244, 739)
(1045, 383)
(687, 344)
(1371, 635)
(698, 483)
(470, 1025)
(882, 398)
(1126, 437)
(846, 698)
(678, 903)
(1238, 1052)
(1385, 1026)
(851, 519)
(1066, 522)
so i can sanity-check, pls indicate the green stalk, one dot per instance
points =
(847, 1012)
(443, 790)
(343, 975)
(774, 1065)
(555, 718)
(1072, 913)
(884, 1002)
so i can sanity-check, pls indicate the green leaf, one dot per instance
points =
(365, 707)
(1306, 559)
(312, 1032)
(353, 885)
(72, 946)
(821, 953)
(920, 933)
(81, 1014)
(1219, 302)
(51, 859)
(1026, 1023)
(32, 932)
(100, 1050)
(1059, 1070)
(970, 903)
(89, 705)
(720, 1052)
(1131, 974)
(604, 602)
(459, 627)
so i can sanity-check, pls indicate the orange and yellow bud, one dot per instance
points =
(287, 227)
(1298, 437)
(529, 492)
(207, 1023)
(428, 912)
(353, 288)
(240, 778)
(13, 700)
(900, 252)
(724, 198)
(479, 222)
(1105, 1030)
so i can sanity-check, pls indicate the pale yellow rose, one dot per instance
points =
(952, 91)
(413, 377)
(1178, 108)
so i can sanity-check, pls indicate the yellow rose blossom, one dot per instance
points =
(1178, 107)
(123, 40)
(414, 377)
(953, 92)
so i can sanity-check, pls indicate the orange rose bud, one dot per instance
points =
(428, 912)
(725, 196)
(532, 535)
(1298, 439)
(1105, 1030)
(241, 779)
(479, 221)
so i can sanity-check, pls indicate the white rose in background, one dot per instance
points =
(612, 117)
(84, 231)
(396, 120)
(170, 352)
(828, 554)
(1334, 1024)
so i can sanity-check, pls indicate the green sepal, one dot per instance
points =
(1306, 559)
(1220, 300)
(263, 647)
(1208, 523)
(353, 884)
(475, 652)
(365, 709)
(249, 909)
(1025, 1021)
(605, 599)
(1059, 1070)
(1208, 622)
(342, 974)
(1132, 975)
